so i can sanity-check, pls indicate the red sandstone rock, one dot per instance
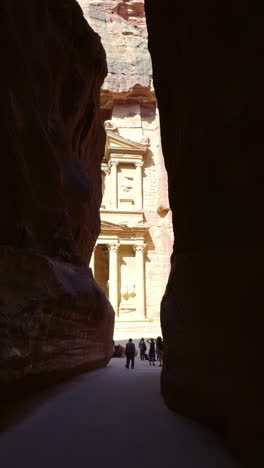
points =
(209, 85)
(129, 64)
(53, 316)
(131, 10)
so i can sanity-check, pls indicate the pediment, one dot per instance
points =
(117, 142)
(107, 226)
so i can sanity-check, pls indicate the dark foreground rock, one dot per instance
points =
(53, 316)
(208, 78)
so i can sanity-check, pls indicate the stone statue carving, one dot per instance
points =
(128, 290)
(127, 184)
(109, 125)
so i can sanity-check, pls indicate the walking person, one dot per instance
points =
(160, 349)
(130, 352)
(152, 351)
(142, 349)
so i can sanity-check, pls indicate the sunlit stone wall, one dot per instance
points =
(128, 101)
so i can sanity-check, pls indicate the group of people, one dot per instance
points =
(156, 348)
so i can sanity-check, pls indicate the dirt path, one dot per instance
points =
(109, 418)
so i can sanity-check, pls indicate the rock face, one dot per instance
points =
(210, 96)
(128, 59)
(128, 103)
(132, 11)
(53, 316)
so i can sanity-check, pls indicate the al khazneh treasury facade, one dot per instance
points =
(131, 259)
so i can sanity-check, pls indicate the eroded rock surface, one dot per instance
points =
(53, 316)
(208, 78)
(128, 60)
(132, 11)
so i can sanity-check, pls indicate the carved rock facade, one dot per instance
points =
(135, 211)
(52, 147)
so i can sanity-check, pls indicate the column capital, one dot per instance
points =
(113, 247)
(138, 163)
(105, 170)
(139, 247)
(113, 163)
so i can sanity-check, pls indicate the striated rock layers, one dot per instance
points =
(53, 317)
(132, 11)
(128, 59)
(210, 94)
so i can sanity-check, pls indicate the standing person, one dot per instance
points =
(160, 349)
(142, 348)
(152, 351)
(130, 353)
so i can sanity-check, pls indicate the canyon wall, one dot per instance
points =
(129, 64)
(54, 319)
(208, 78)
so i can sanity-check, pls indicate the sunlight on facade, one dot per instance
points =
(131, 259)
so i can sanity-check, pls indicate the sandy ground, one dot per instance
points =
(108, 418)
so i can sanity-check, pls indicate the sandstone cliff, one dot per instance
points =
(53, 317)
(208, 78)
(128, 59)
(132, 11)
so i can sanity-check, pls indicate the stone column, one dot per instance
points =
(114, 194)
(92, 261)
(113, 276)
(140, 281)
(138, 187)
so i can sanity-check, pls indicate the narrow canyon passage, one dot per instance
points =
(178, 170)
(107, 418)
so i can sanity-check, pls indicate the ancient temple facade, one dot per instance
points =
(132, 255)
(118, 260)
(131, 259)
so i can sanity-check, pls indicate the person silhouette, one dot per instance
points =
(130, 352)
(152, 351)
(142, 348)
(160, 349)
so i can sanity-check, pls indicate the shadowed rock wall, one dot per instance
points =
(208, 78)
(53, 316)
